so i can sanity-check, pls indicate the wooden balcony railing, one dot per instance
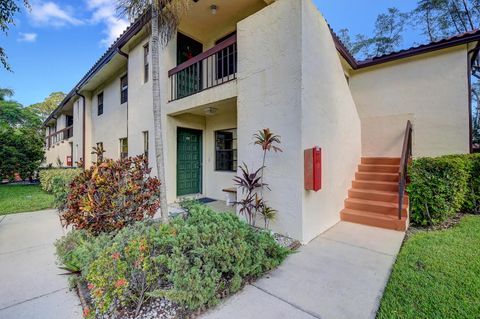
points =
(213, 67)
(59, 136)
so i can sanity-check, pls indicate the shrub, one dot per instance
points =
(47, 175)
(57, 182)
(190, 261)
(213, 253)
(438, 188)
(112, 194)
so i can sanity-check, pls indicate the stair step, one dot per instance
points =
(379, 186)
(378, 168)
(374, 176)
(383, 208)
(370, 194)
(381, 160)
(374, 219)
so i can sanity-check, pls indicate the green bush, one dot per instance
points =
(213, 253)
(47, 176)
(57, 182)
(440, 187)
(190, 261)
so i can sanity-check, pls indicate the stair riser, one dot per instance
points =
(376, 177)
(390, 198)
(399, 225)
(393, 211)
(381, 160)
(378, 169)
(375, 186)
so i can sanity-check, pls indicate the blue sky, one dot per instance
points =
(55, 44)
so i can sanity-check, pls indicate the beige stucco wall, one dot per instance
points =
(269, 96)
(430, 89)
(140, 111)
(59, 150)
(111, 126)
(329, 120)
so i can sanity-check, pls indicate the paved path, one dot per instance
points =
(341, 274)
(30, 284)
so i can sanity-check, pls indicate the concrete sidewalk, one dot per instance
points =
(340, 274)
(30, 284)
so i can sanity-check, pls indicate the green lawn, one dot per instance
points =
(437, 275)
(23, 198)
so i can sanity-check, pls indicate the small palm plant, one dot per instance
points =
(268, 141)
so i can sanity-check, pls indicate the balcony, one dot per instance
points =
(211, 68)
(59, 136)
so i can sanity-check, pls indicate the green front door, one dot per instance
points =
(189, 161)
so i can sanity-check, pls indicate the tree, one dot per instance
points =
(443, 18)
(45, 108)
(8, 9)
(21, 140)
(387, 36)
(4, 93)
(165, 17)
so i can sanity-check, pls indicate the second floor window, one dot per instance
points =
(145, 144)
(146, 51)
(123, 147)
(100, 104)
(124, 89)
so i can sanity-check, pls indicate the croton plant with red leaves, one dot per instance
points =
(112, 194)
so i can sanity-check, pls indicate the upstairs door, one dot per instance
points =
(189, 161)
(189, 80)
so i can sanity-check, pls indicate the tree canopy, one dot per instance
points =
(21, 140)
(43, 109)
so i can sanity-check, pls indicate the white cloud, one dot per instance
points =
(104, 11)
(49, 13)
(27, 37)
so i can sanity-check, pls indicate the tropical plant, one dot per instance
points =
(249, 183)
(165, 17)
(5, 92)
(268, 141)
(112, 194)
(268, 214)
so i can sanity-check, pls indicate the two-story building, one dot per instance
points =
(235, 67)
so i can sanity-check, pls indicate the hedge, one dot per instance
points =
(56, 181)
(441, 187)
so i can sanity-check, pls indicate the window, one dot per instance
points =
(100, 104)
(226, 58)
(124, 147)
(124, 89)
(145, 144)
(226, 150)
(146, 51)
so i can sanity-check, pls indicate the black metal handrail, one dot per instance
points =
(404, 160)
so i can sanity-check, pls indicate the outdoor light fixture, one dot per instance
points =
(213, 9)
(210, 111)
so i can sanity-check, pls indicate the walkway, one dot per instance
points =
(340, 274)
(31, 286)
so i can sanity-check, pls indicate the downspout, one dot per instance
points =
(474, 52)
(83, 129)
(125, 55)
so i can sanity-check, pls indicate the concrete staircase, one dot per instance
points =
(373, 198)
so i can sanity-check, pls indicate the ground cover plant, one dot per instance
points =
(436, 275)
(23, 198)
(441, 187)
(192, 261)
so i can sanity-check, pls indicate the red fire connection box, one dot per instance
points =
(313, 169)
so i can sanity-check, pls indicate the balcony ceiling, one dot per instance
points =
(202, 25)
